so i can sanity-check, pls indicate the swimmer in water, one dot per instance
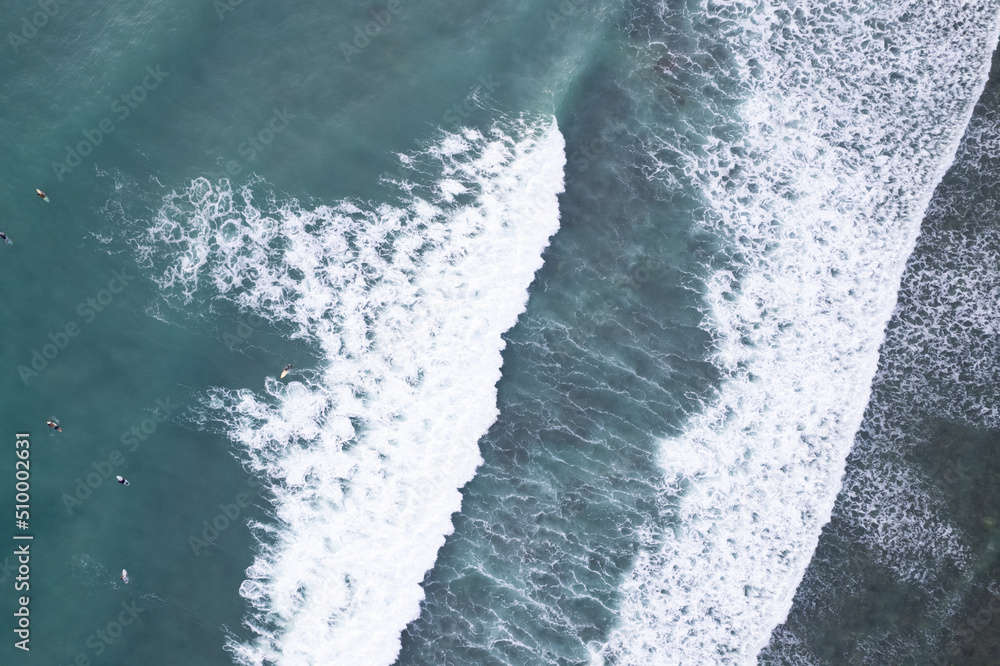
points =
(285, 370)
(52, 424)
(122, 480)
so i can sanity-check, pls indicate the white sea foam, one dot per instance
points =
(853, 114)
(407, 305)
(949, 330)
(939, 365)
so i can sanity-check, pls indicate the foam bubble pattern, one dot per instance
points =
(852, 114)
(938, 364)
(407, 304)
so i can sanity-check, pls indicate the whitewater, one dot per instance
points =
(812, 188)
(852, 114)
(405, 305)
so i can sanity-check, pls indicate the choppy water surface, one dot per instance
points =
(586, 303)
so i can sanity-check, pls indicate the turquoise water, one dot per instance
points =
(584, 301)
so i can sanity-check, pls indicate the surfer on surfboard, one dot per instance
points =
(42, 195)
(285, 370)
(124, 576)
(122, 480)
(52, 424)
(6, 240)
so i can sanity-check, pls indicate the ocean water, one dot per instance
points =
(622, 333)
(909, 561)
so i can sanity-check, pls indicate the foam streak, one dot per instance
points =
(407, 305)
(853, 116)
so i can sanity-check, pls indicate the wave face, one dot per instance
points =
(406, 305)
(915, 516)
(850, 115)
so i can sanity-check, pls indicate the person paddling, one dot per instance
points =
(122, 480)
(52, 424)
(42, 195)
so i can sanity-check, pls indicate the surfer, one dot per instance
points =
(41, 194)
(5, 239)
(124, 576)
(52, 424)
(122, 480)
(285, 370)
